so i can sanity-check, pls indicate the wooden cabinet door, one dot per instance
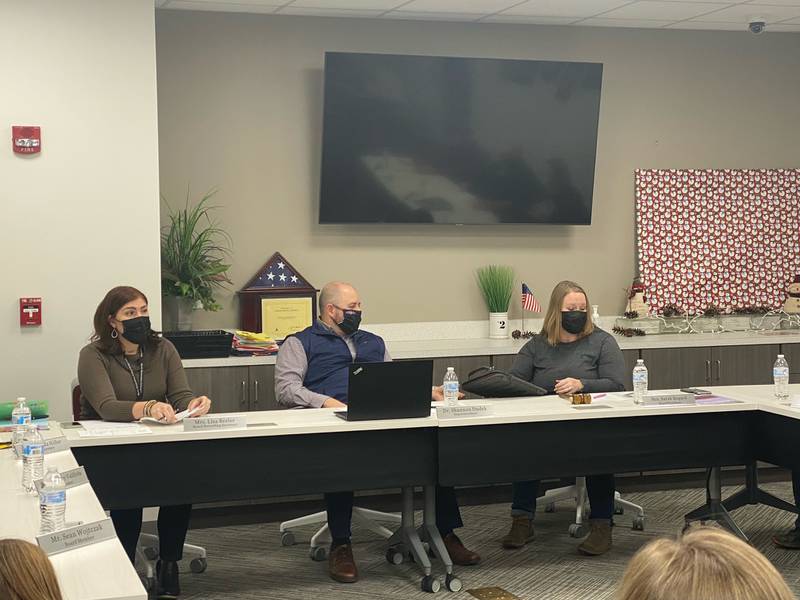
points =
(743, 365)
(226, 386)
(262, 388)
(462, 364)
(504, 362)
(671, 368)
(792, 354)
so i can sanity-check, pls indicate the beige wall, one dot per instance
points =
(240, 108)
(83, 216)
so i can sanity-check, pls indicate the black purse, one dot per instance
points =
(494, 383)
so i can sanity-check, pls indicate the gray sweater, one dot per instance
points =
(596, 360)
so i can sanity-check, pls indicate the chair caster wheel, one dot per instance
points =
(430, 584)
(318, 553)
(453, 583)
(150, 553)
(198, 565)
(288, 539)
(577, 530)
(394, 556)
(550, 507)
(638, 524)
(619, 511)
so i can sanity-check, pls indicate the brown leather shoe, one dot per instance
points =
(342, 565)
(599, 540)
(458, 553)
(521, 532)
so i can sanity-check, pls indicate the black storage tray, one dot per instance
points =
(211, 343)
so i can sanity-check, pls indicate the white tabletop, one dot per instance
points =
(100, 571)
(260, 424)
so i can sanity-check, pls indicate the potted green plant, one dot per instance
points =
(193, 251)
(496, 283)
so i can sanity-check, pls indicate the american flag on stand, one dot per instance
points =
(529, 302)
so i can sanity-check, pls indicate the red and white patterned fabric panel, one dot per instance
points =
(726, 237)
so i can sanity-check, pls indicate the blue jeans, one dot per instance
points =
(599, 488)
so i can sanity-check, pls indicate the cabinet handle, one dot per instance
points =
(243, 402)
(255, 394)
(719, 370)
(708, 371)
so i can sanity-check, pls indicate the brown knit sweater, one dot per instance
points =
(108, 391)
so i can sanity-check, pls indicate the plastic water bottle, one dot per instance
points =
(639, 381)
(52, 501)
(450, 386)
(32, 457)
(780, 374)
(20, 417)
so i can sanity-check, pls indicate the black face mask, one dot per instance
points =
(573, 321)
(350, 322)
(136, 330)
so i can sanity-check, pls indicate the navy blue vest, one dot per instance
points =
(328, 357)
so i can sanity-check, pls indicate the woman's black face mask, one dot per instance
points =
(573, 321)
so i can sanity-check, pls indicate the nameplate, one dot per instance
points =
(464, 411)
(76, 537)
(667, 399)
(215, 423)
(72, 478)
(56, 444)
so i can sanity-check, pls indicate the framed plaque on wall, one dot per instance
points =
(277, 301)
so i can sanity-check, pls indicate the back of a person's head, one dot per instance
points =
(705, 564)
(26, 572)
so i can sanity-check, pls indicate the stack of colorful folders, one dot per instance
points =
(256, 344)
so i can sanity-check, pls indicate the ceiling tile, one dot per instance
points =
(482, 7)
(783, 28)
(412, 15)
(672, 11)
(349, 4)
(565, 8)
(220, 6)
(636, 23)
(327, 12)
(530, 19)
(776, 2)
(708, 26)
(744, 13)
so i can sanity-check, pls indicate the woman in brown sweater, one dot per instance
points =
(128, 372)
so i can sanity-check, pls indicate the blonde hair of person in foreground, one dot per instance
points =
(26, 572)
(704, 564)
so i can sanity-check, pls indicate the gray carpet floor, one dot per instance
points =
(248, 562)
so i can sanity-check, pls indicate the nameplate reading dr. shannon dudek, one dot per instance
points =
(464, 411)
(76, 537)
(215, 423)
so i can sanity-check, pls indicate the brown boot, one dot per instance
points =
(599, 540)
(341, 565)
(521, 532)
(458, 553)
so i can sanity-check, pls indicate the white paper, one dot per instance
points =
(109, 429)
(180, 416)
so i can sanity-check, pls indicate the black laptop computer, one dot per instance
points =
(388, 390)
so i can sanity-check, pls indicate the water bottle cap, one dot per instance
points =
(21, 399)
(451, 368)
(780, 355)
(639, 361)
(52, 469)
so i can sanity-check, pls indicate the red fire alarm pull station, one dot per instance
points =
(26, 139)
(30, 312)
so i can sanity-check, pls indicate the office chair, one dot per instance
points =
(577, 492)
(321, 540)
(147, 547)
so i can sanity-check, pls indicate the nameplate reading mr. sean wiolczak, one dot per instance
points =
(76, 537)
(215, 423)
(464, 411)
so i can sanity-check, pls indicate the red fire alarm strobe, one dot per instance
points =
(30, 312)
(26, 139)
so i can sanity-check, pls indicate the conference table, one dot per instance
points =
(99, 571)
(313, 451)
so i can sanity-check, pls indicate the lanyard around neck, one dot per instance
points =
(138, 385)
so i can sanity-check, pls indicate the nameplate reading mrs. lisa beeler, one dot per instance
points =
(464, 411)
(56, 444)
(215, 423)
(76, 537)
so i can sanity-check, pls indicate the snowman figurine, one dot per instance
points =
(792, 304)
(636, 299)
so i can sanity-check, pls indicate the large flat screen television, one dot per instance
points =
(430, 139)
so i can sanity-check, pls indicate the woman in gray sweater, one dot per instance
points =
(126, 373)
(569, 355)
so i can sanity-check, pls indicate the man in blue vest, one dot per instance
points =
(311, 372)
